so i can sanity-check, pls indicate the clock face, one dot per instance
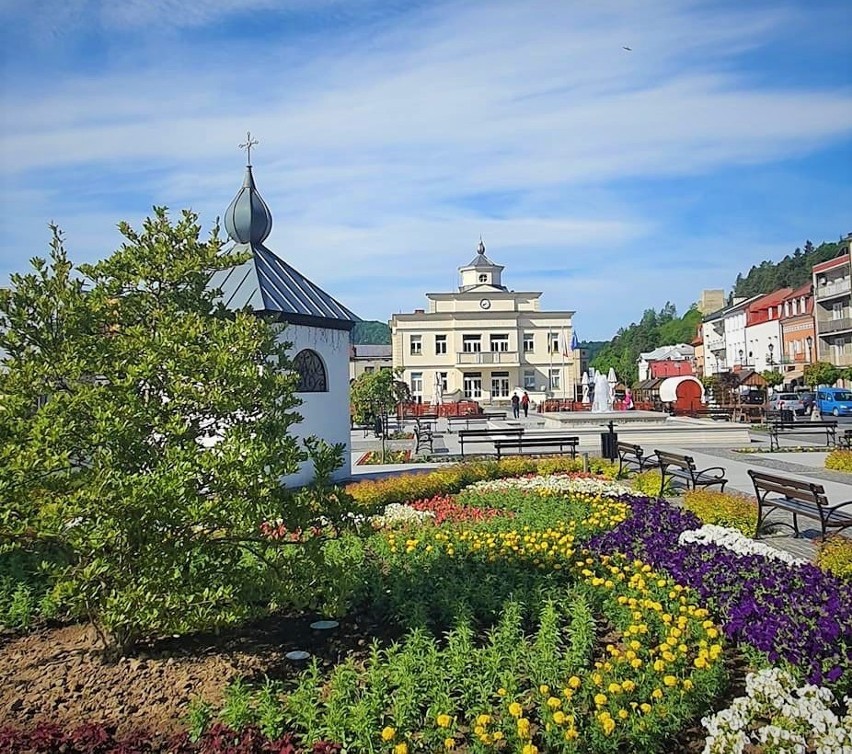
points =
(485, 303)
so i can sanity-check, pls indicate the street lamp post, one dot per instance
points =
(771, 349)
(810, 342)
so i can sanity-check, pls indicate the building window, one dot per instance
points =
(443, 381)
(483, 278)
(499, 384)
(529, 379)
(499, 343)
(312, 378)
(367, 370)
(416, 345)
(417, 383)
(529, 342)
(555, 379)
(837, 310)
(472, 343)
(554, 342)
(440, 344)
(472, 385)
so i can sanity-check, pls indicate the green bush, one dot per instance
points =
(834, 554)
(723, 509)
(839, 460)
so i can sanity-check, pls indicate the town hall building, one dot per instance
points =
(483, 341)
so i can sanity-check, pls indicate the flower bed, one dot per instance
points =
(795, 614)
(534, 610)
(839, 460)
(374, 457)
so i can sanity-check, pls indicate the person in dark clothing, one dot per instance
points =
(516, 403)
(525, 404)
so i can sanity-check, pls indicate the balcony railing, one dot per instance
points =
(830, 290)
(716, 344)
(834, 325)
(487, 357)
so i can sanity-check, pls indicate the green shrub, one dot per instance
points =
(834, 554)
(723, 509)
(839, 460)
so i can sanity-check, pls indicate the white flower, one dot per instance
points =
(733, 540)
(797, 715)
(396, 513)
(554, 483)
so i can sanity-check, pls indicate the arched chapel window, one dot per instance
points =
(311, 371)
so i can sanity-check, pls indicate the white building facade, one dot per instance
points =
(484, 341)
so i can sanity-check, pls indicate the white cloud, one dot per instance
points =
(382, 146)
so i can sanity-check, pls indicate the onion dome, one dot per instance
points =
(248, 219)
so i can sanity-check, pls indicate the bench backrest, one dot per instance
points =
(554, 439)
(673, 459)
(794, 489)
(627, 447)
(491, 432)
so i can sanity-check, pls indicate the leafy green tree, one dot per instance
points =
(374, 395)
(773, 378)
(144, 431)
(370, 332)
(821, 373)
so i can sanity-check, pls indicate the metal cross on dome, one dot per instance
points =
(249, 143)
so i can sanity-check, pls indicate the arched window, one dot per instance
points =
(483, 278)
(311, 371)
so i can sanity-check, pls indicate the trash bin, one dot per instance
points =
(609, 443)
(787, 415)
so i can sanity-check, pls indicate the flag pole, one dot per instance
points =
(564, 347)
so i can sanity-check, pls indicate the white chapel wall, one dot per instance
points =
(325, 415)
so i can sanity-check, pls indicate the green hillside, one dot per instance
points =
(370, 332)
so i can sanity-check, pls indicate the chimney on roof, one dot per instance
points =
(419, 311)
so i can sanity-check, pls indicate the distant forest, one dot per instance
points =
(792, 271)
(370, 332)
(656, 328)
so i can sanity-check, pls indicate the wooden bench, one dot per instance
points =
(845, 440)
(800, 498)
(423, 437)
(826, 426)
(630, 455)
(466, 419)
(681, 467)
(472, 436)
(535, 443)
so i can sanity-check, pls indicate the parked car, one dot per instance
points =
(787, 402)
(834, 400)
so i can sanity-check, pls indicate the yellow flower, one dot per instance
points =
(544, 690)
(614, 688)
(498, 735)
(388, 733)
(699, 662)
(401, 748)
(502, 692)
(523, 728)
(622, 714)
(607, 724)
(444, 721)
(571, 734)
(483, 719)
(554, 703)
(600, 699)
(657, 694)
(529, 749)
(670, 680)
(559, 717)
(449, 743)
(628, 685)
(645, 707)
(687, 685)
(515, 709)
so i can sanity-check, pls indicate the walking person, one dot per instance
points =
(525, 404)
(516, 403)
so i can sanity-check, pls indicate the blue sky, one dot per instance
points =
(392, 134)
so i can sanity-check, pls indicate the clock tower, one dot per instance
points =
(481, 273)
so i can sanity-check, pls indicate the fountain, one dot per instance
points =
(602, 403)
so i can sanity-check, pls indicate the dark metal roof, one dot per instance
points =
(480, 260)
(266, 283)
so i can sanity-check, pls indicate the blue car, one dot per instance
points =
(834, 400)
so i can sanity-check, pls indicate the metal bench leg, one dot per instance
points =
(796, 525)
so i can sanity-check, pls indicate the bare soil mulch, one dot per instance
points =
(61, 675)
